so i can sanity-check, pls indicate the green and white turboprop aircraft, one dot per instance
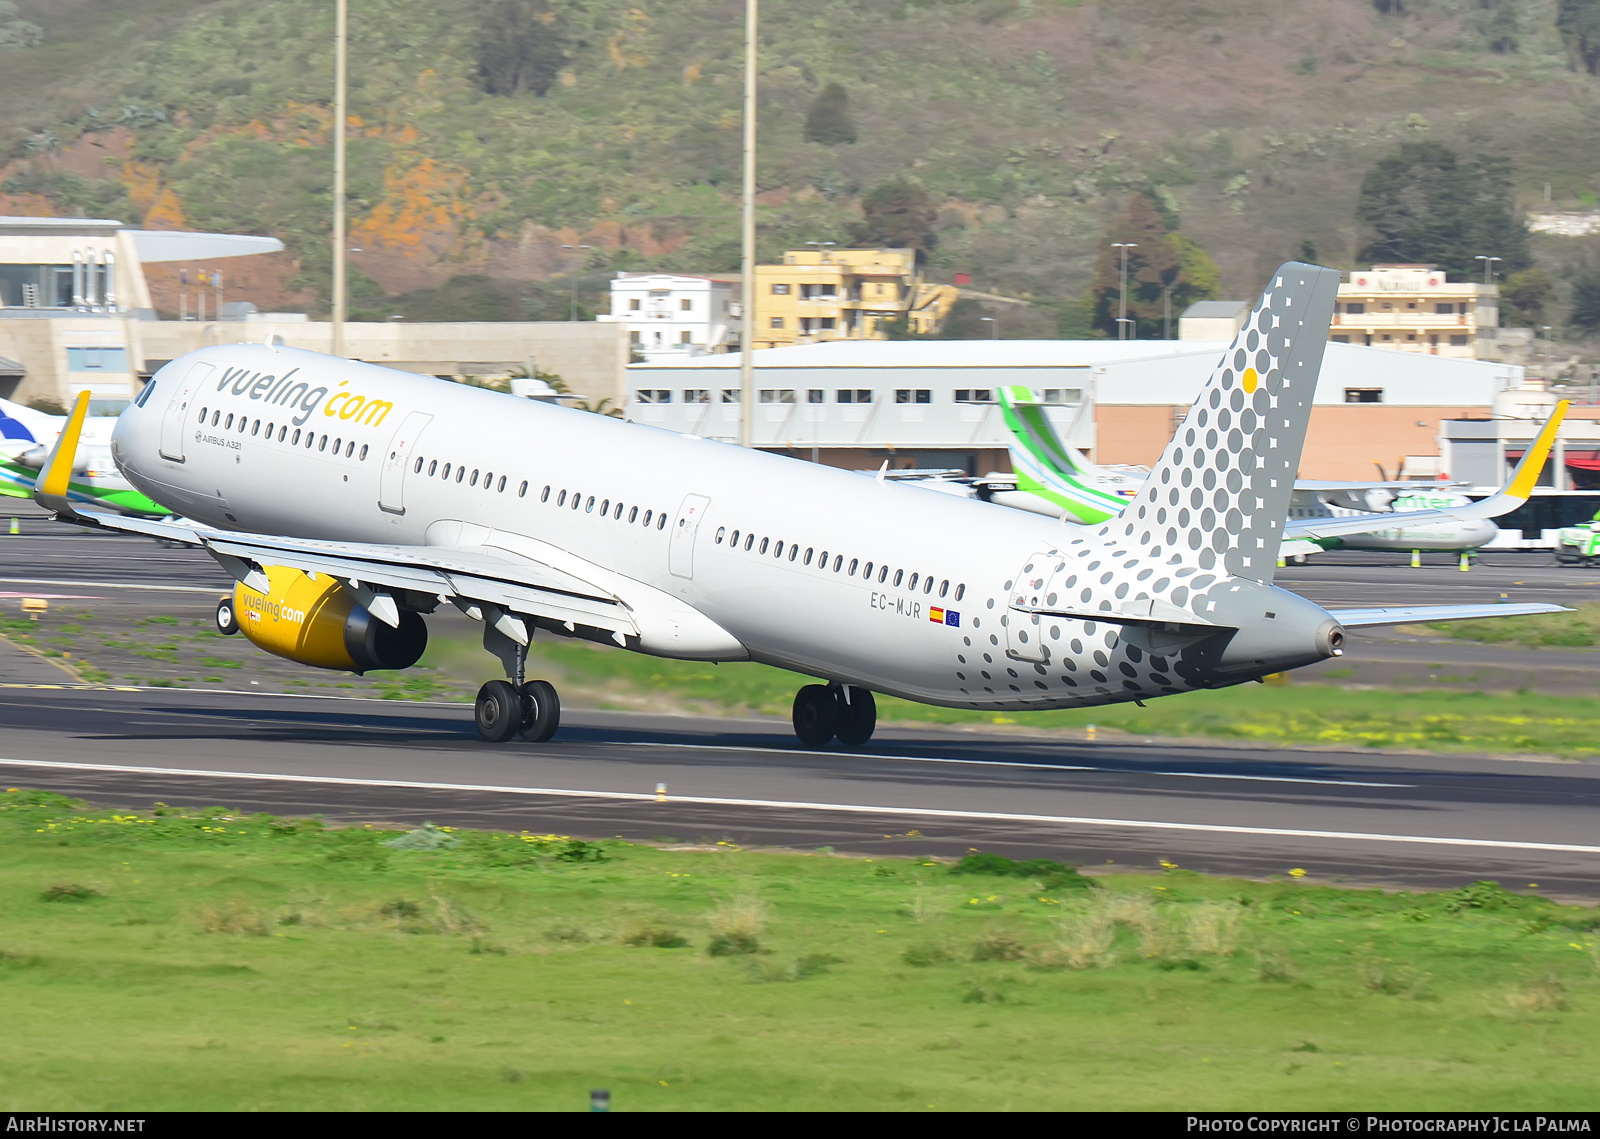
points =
(26, 437)
(1323, 515)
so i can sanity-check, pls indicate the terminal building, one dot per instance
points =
(76, 316)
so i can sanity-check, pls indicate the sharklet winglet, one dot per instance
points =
(55, 477)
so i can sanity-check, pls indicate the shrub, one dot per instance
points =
(926, 953)
(733, 944)
(652, 936)
(70, 892)
(1547, 994)
(1050, 874)
(999, 945)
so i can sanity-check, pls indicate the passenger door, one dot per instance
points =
(173, 424)
(392, 482)
(1024, 639)
(680, 551)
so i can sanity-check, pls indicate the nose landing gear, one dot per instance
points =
(823, 712)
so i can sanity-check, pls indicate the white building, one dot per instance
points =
(931, 403)
(670, 316)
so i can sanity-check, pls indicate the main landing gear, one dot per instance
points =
(824, 712)
(505, 708)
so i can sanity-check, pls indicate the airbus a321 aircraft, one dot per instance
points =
(350, 501)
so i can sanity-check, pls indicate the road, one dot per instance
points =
(1393, 821)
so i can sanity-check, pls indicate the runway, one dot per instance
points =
(1399, 822)
(1383, 820)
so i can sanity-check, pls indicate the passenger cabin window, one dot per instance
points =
(722, 532)
(960, 589)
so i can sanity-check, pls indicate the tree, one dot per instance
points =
(1160, 262)
(1429, 206)
(1579, 23)
(16, 32)
(1525, 295)
(897, 215)
(1586, 303)
(828, 121)
(522, 46)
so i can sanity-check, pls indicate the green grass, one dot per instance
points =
(1289, 714)
(1579, 629)
(208, 961)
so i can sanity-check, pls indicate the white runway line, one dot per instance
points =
(801, 805)
(1030, 766)
(217, 591)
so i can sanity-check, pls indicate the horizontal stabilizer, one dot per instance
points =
(1423, 614)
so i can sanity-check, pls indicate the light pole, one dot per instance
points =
(341, 41)
(994, 327)
(1166, 313)
(747, 256)
(822, 247)
(1488, 266)
(1122, 307)
(1546, 353)
(572, 312)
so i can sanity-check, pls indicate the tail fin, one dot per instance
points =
(1046, 467)
(1221, 490)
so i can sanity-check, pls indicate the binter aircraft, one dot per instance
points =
(349, 502)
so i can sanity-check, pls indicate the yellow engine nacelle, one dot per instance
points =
(313, 620)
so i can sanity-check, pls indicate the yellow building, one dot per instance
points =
(1414, 308)
(844, 294)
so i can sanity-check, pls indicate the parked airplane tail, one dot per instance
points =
(1220, 492)
(1046, 467)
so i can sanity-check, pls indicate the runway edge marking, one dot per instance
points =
(801, 805)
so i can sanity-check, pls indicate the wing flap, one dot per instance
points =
(1422, 614)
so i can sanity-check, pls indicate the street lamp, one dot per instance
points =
(822, 247)
(994, 327)
(1488, 266)
(1122, 307)
(747, 236)
(572, 313)
(341, 41)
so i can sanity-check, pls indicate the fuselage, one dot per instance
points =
(835, 574)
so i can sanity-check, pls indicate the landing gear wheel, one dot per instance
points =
(541, 711)
(498, 711)
(858, 718)
(227, 619)
(816, 715)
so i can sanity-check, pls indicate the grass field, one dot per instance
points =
(202, 960)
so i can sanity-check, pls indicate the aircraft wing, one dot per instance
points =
(508, 580)
(1421, 614)
(1516, 491)
(513, 583)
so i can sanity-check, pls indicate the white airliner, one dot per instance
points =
(349, 501)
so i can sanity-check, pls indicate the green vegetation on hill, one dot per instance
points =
(479, 150)
(187, 959)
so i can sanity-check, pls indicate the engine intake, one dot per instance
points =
(313, 620)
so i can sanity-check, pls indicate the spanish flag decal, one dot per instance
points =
(944, 617)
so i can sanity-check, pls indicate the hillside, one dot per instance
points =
(1031, 122)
